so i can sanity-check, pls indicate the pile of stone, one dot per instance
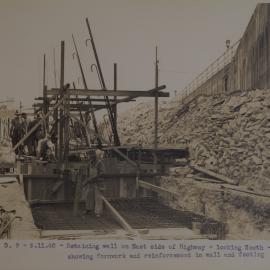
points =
(229, 135)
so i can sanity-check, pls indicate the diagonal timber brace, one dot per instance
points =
(118, 217)
(38, 123)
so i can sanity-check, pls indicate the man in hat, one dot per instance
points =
(16, 132)
(95, 184)
(25, 123)
(31, 139)
(35, 136)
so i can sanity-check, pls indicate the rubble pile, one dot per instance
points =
(227, 134)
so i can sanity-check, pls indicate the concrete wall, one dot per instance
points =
(215, 85)
(250, 66)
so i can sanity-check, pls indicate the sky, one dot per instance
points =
(190, 34)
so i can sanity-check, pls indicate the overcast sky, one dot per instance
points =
(190, 34)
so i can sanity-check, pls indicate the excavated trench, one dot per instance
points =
(246, 216)
(226, 134)
(143, 213)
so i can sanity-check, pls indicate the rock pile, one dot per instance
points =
(229, 135)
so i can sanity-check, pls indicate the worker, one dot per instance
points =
(16, 132)
(40, 133)
(99, 186)
(99, 153)
(25, 123)
(31, 139)
(95, 185)
(53, 132)
(77, 129)
(45, 149)
(35, 136)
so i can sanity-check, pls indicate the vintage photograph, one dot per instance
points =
(132, 120)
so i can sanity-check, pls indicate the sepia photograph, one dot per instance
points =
(135, 120)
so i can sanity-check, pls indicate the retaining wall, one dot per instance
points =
(250, 66)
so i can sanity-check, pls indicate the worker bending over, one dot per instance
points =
(46, 149)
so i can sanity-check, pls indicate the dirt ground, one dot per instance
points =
(12, 198)
(246, 216)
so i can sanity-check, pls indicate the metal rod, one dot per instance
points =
(156, 114)
(96, 55)
(78, 191)
(109, 108)
(95, 66)
(61, 122)
(44, 70)
(80, 111)
(81, 117)
(54, 68)
(85, 86)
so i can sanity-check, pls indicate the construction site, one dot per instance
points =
(196, 166)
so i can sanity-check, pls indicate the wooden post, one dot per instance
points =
(44, 79)
(55, 125)
(8, 127)
(102, 82)
(213, 174)
(61, 120)
(66, 128)
(89, 198)
(29, 190)
(98, 201)
(156, 121)
(115, 98)
(156, 102)
(46, 106)
(89, 99)
(77, 192)
(123, 184)
(118, 217)
(45, 100)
